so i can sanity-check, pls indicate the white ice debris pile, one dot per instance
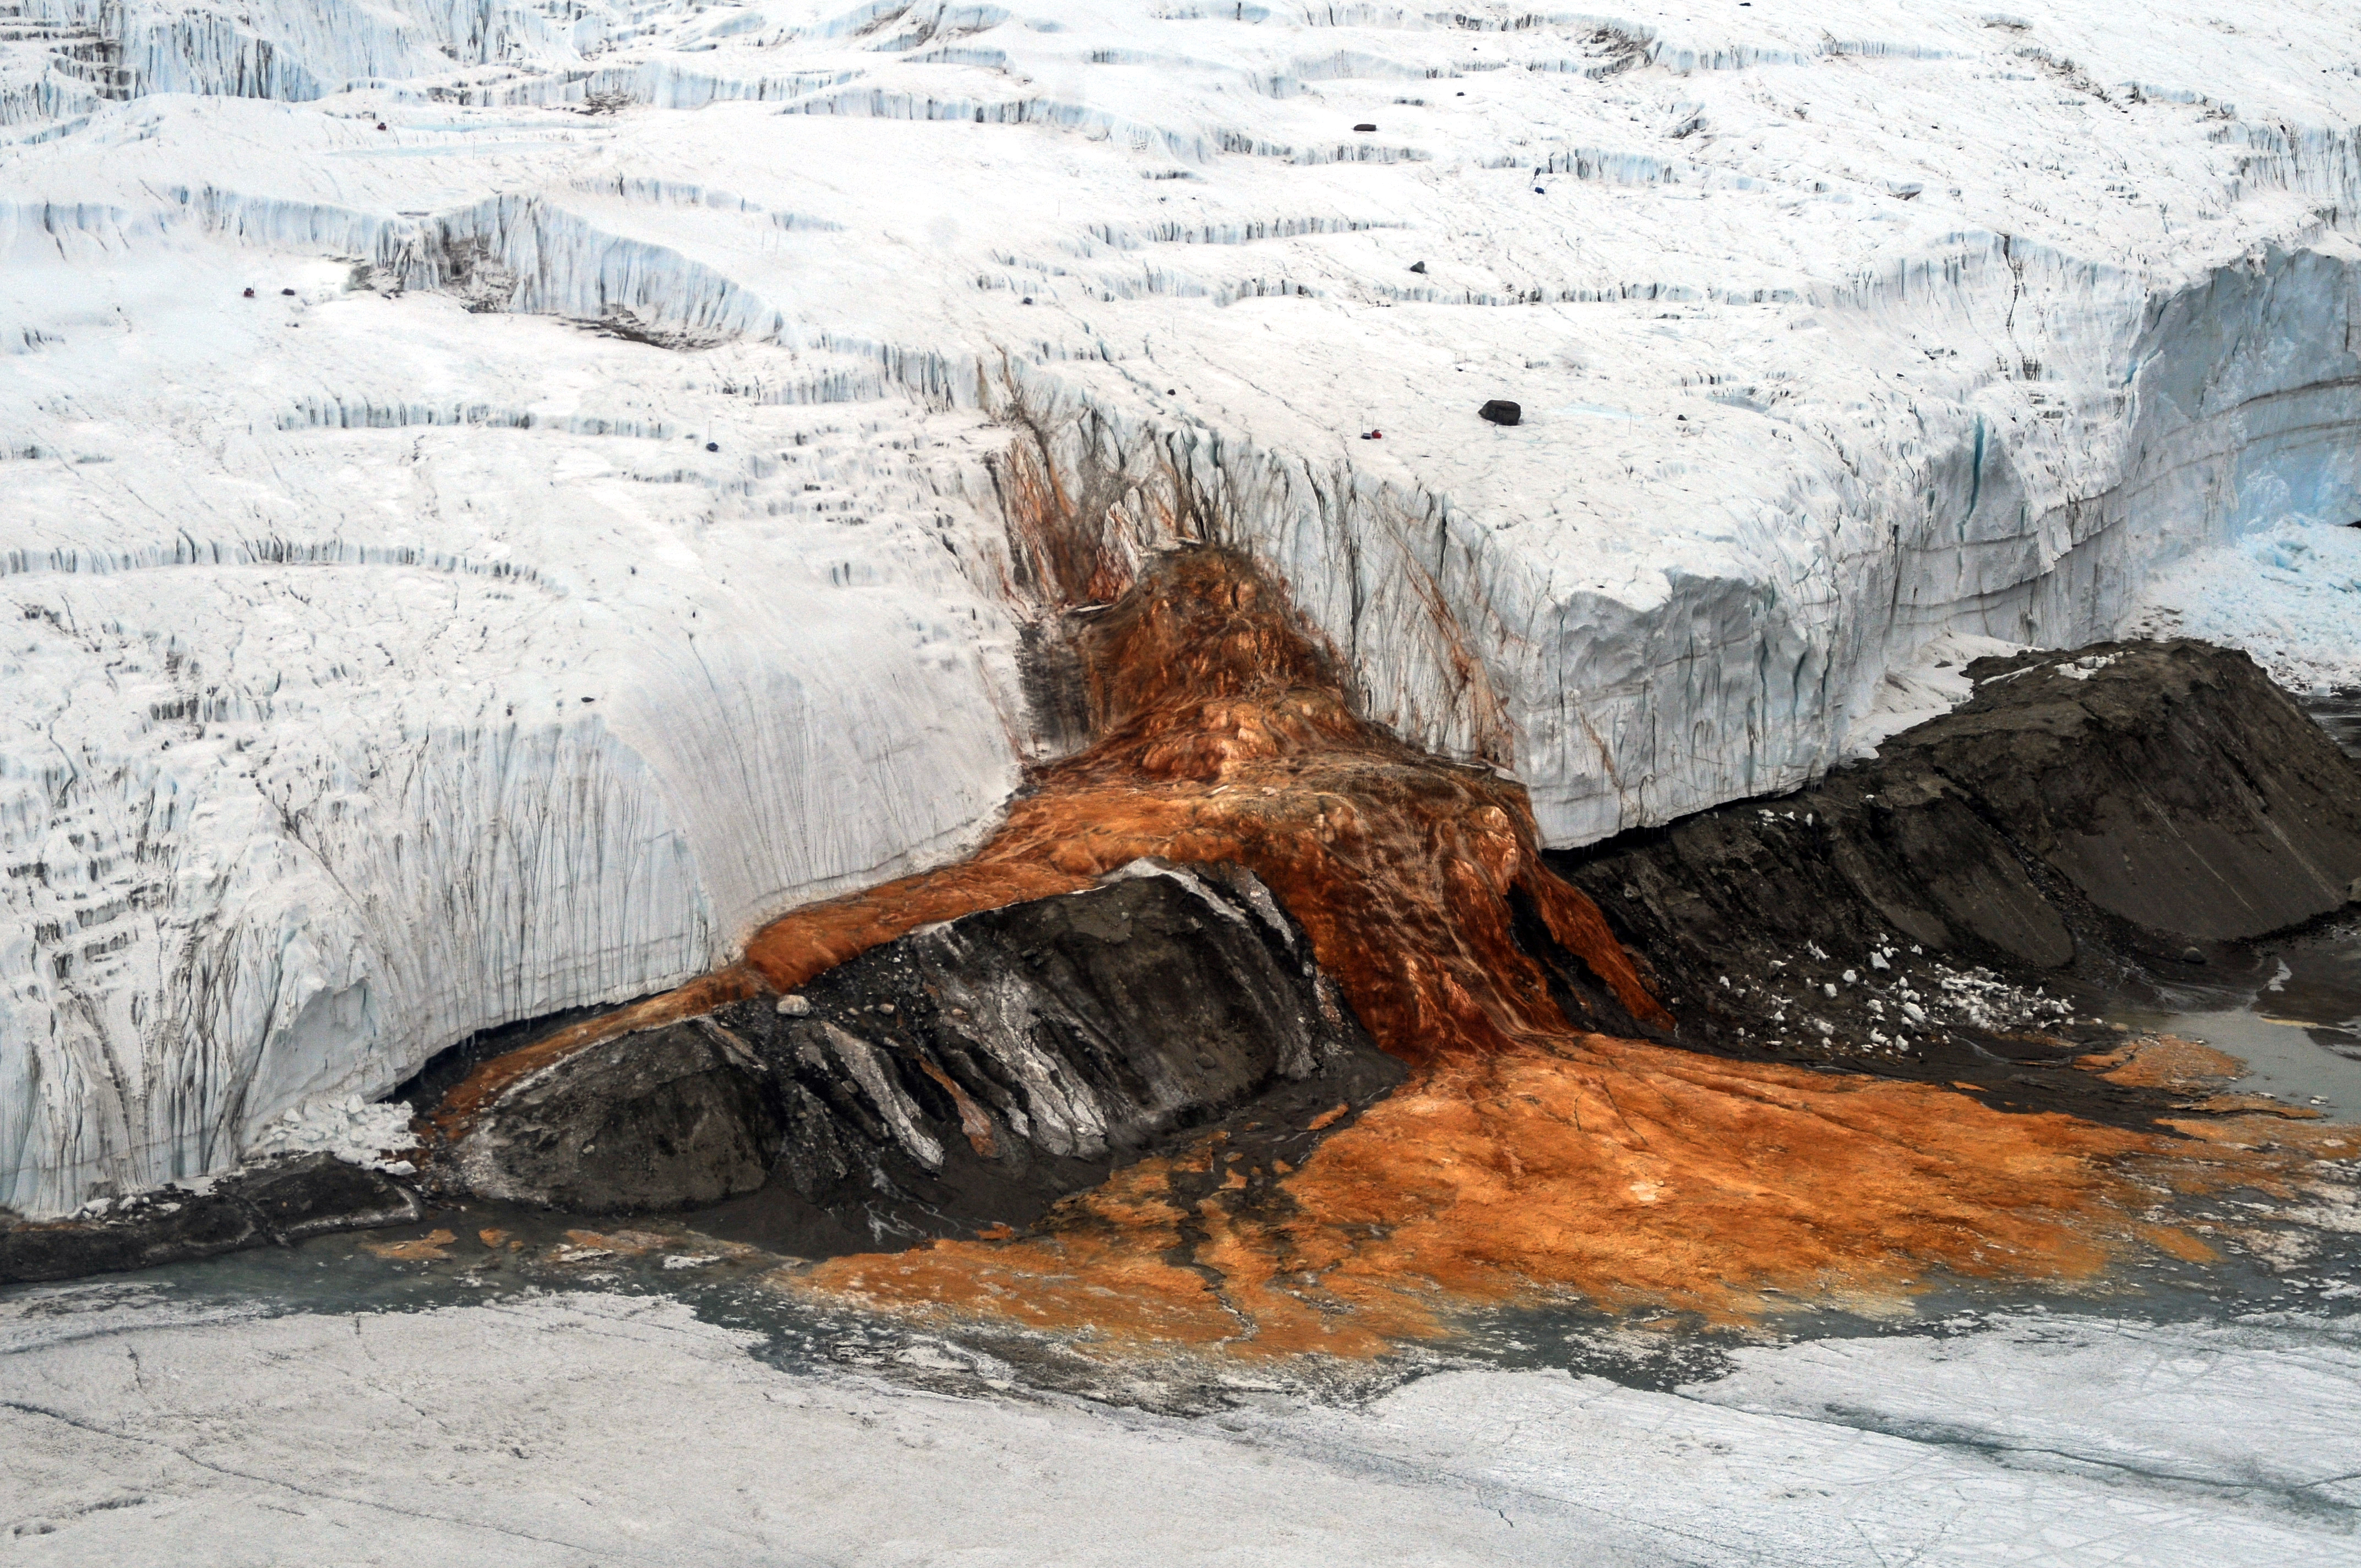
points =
(579, 546)
(352, 1129)
(1906, 999)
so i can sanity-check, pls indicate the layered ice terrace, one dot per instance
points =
(586, 541)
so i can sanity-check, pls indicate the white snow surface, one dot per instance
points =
(2290, 594)
(392, 659)
(588, 1428)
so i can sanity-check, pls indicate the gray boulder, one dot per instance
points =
(662, 1118)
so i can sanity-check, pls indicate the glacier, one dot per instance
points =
(586, 539)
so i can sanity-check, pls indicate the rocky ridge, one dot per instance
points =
(960, 1078)
(2086, 824)
(276, 1202)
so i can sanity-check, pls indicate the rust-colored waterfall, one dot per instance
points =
(1526, 1158)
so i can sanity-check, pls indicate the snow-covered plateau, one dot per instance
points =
(549, 1429)
(500, 499)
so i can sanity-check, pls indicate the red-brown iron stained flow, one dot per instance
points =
(1525, 1159)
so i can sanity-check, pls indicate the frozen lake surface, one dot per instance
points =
(581, 1427)
(585, 1398)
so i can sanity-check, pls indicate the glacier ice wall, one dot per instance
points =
(291, 798)
(583, 542)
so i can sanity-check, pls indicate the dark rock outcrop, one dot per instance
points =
(2171, 784)
(965, 1075)
(312, 1195)
(281, 1200)
(2082, 818)
(660, 1119)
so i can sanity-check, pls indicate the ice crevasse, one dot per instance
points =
(588, 539)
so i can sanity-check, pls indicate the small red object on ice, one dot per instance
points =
(1373, 435)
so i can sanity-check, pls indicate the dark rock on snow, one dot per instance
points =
(281, 1200)
(1500, 411)
(312, 1195)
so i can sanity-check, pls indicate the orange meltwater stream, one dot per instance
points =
(1525, 1159)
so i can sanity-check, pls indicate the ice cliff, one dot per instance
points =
(582, 544)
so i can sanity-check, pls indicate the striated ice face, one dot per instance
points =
(645, 356)
(464, 686)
